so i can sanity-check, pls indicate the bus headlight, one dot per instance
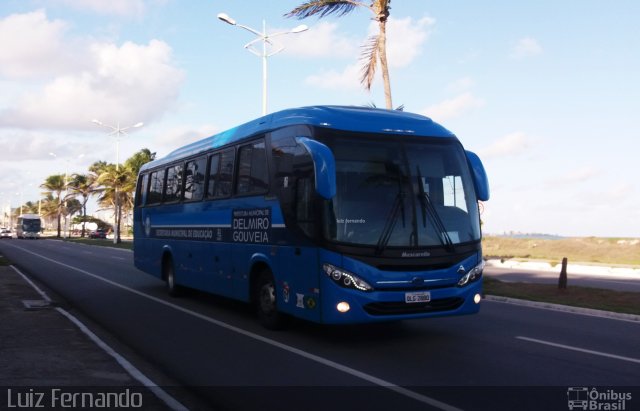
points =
(474, 274)
(345, 279)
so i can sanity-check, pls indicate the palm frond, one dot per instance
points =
(369, 58)
(372, 104)
(322, 8)
(381, 9)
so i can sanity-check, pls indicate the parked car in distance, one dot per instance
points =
(98, 234)
(5, 233)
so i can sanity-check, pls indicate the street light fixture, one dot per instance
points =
(117, 131)
(265, 38)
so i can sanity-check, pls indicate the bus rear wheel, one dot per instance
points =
(266, 303)
(169, 275)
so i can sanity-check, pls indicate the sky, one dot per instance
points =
(547, 93)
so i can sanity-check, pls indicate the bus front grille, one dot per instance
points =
(397, 308)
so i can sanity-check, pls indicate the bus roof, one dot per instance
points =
(348, 118)
(29, 216)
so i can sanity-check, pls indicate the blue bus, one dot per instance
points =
(327, 213)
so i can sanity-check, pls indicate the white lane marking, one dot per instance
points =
(567, 309)
(321, 360)
(583, 350)
(171, 402)
(32, 284)
(118, 258)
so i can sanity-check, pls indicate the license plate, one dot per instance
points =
(417, 297)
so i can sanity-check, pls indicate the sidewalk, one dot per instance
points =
(582, 269)
(44, 355)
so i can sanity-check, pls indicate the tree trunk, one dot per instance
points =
(118, 240)
(382, 51)
(84, 216)
(59, 215)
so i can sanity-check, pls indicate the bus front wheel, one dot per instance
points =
(266, 303)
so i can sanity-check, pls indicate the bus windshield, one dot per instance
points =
(31, 225)
(394, 192)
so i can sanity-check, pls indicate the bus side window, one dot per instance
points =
(194, 179)
(253, 177)
(225, 176)
(155, 187)
(141, 194)
(214, 170)
(294, 180)
(174, 183)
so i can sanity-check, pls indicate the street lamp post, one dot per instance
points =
(265, 38)
(117, 131)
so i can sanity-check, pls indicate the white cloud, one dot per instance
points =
(349, 78)
(511, 144)
(20, 146)
(405, 38)
(460, 85)
(31, 45)
(526, 47)
(577, 175)
(175, 137)
(321, 40)
(115, 7)
(127, 83)
(453, 107)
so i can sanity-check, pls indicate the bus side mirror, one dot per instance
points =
(324, 165)
(479, 174)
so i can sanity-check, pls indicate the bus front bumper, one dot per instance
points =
(345, 306)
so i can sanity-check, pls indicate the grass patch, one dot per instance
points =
(607, 251)
(126, 245)
(596, 298)
(4, 260)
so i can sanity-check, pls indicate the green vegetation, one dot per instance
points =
(594, 250)
(125, 245)
(112, 184)
(608, 251)
(596, 298)
(4, 260)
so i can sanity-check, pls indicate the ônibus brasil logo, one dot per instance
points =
(583, 398)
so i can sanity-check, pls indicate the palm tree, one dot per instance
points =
(84, 185)
(55, 184)
(28, 208)
(139, 159)
(376, 47)
(49, 208)
(118, 186)
(72, 206)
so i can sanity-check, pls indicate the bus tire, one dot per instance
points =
(169, 276)
(267, 304)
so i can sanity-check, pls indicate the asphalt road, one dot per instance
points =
(606, 281)
(506, 357)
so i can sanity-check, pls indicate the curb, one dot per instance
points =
(565, 308)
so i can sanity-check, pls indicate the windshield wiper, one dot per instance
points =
(428, 208)
(392, 218)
